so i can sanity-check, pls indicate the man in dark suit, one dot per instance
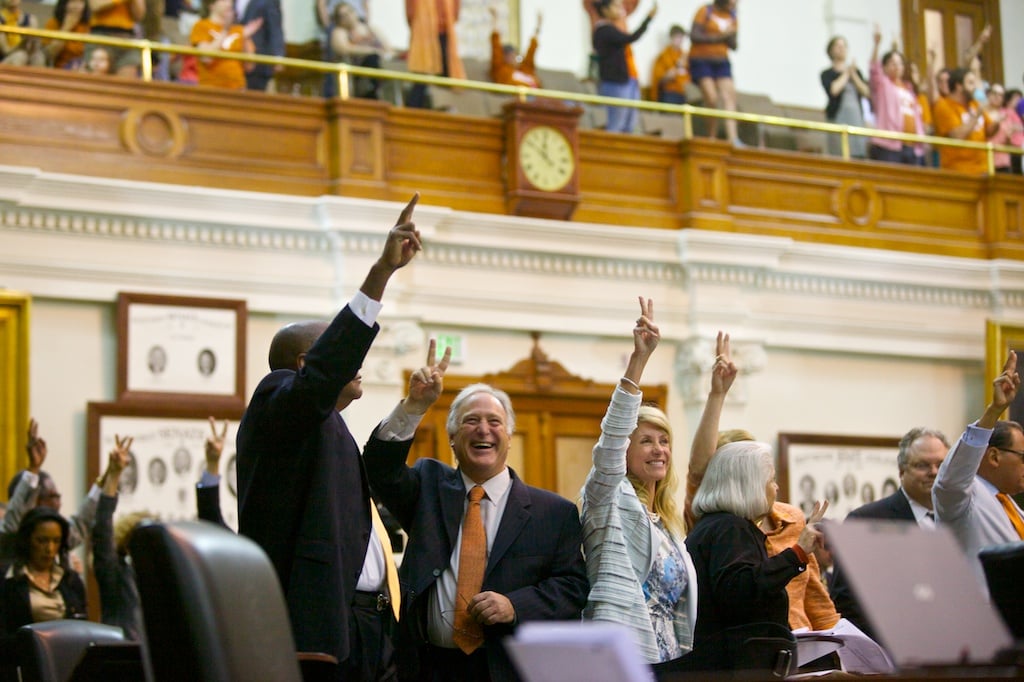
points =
(921, 452)
(268, 40)
(302, 491)
(534, 568)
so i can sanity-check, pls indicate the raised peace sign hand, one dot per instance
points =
(810, 537)
(427, 383)
(724, 371)
(646, 334)
(215, 446)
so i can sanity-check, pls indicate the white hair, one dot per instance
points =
(735, 481)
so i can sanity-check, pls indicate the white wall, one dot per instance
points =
(782, 42)
(871, 343)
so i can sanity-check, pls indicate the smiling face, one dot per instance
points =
(481, 439)
(649, 454)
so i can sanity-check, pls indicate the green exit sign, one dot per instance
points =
(454, 341)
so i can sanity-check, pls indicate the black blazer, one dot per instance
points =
(737, 582)
(302, 490)
(536, 560)
(16, 609)
(892, 508)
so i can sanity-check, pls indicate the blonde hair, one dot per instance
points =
(124, 526)
(733, 436)
(664, 503)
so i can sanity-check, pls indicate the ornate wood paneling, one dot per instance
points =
(107, 127)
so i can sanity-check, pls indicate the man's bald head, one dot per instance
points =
(292, 341)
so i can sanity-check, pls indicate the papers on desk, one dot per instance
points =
(857, 652)
(576, 651)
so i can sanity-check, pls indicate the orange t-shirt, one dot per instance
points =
(220, 73)
(118, 15)
(72, 51)
(715, 22)
(950, 114)
(670, 58)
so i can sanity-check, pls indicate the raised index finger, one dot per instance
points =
(406, 215)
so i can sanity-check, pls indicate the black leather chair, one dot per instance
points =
(51, 651)
(212, 606)
(751, 651)
(1004, 573)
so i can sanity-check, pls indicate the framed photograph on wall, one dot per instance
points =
(181, 349)
(848, 471)
(168, 456)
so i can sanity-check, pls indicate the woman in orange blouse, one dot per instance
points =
(670, 73)
(217, 31)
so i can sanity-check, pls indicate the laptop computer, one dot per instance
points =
(919, 593)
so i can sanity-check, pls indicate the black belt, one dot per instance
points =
(371, 600)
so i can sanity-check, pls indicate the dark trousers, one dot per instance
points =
(438, 664)
(904, 155)
(417, 98)
(372, 657)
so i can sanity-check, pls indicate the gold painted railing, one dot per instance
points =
(687, 111)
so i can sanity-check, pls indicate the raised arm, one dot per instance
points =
(402, 245)
(705, 438)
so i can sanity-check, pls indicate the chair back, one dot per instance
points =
(50, 651)
(212, 605)
(1004, 573)
(760, 650)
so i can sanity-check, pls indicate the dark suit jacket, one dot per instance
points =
(16, 609)
(208, 504)
(119, 596)
(535, 561)
(892, 508)
(303, 493)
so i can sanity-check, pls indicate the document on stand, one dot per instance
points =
(857, 652)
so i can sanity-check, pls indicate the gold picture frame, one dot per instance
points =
(1000, 339)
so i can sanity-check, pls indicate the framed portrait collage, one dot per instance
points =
(180, 361)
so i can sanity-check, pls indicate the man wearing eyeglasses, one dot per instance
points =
(972, 492)
(921, 453)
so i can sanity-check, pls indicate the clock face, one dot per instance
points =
(546, 157)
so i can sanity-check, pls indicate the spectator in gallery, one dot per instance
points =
(1008, 126)
(896, 108)
(616, 66)
(267, 40)
(960, 117)
(217, 30)
(17, 50)
(433, 43)
(1013, 104)
(508, 67)
(116, 19)
(207, 362)
(353, 41)
(71, 16)
(671, 73)
(714, 32)
(847, 90)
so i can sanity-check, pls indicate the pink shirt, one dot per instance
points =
(890, 108)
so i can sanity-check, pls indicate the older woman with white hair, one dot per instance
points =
(738, 583)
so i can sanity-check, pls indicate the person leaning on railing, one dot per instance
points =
(15, 49)
(117, 19)
(71, 16)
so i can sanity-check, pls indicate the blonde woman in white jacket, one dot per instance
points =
(640, 573)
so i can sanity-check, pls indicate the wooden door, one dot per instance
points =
(558, 420)
(950, 27)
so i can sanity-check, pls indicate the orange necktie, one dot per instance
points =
(468, 634)
(1011, 511)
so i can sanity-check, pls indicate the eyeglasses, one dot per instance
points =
(1019, 453)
